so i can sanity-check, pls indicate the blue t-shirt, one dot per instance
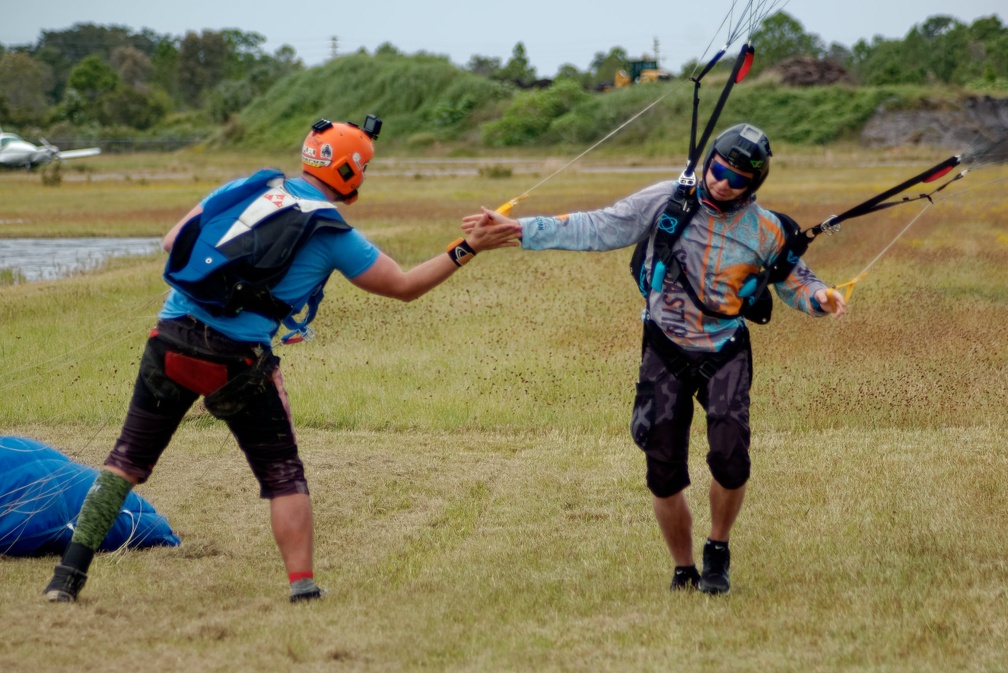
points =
(326, 251)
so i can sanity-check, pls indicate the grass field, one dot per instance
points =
(479, 503)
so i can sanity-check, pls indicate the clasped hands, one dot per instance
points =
(490, 230)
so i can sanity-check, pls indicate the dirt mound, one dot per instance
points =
(811, 71)
(951, 125)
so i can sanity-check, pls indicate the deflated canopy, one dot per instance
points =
(41, 491)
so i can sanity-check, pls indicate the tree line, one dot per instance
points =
(95, 80)
(940, 50)
(113, 77)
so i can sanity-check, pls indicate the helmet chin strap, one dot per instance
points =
(705, 197)
(714, 204)
(330, 192)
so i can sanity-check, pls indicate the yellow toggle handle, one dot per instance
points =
(849, 285)
(505, 209)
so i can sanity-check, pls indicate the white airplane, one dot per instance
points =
(16, 152)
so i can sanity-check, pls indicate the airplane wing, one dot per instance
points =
(77, 154)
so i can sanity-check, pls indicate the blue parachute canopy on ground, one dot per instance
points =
(41, 491)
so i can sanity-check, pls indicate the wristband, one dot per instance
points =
(460, 252)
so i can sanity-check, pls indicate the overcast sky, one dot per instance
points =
(554, 33)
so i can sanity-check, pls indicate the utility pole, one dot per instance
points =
(657, 58)
(334, 41)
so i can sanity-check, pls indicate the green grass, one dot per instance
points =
(479, 504)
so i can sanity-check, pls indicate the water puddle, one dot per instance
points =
(49, 258)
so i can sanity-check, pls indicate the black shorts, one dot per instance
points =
(663, 414)
(242, 385)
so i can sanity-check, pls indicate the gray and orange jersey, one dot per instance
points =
(718, 252)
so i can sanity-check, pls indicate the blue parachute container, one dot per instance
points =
(41, 491)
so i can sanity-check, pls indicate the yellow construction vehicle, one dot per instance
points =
(638, 72)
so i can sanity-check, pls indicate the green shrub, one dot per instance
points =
(531, 113)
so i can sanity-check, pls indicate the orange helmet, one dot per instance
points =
(338, 154)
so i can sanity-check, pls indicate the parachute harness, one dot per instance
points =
(683, 202)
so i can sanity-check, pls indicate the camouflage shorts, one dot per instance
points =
(663, 413)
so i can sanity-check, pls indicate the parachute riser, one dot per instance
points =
(832, 224)
(739, 70)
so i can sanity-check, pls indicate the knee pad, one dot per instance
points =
(728, 438)
(665, 479)
(731, 470)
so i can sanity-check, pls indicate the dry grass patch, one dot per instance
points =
(870, 550)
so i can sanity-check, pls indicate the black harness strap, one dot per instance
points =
(757, 303)
(682, 364)
(672, 222)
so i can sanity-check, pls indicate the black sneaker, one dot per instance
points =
(66, 583)
(684, 578)
(716, 561)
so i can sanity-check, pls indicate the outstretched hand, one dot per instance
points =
(831, 301)
(490, 230)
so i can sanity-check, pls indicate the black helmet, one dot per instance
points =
(746, 148)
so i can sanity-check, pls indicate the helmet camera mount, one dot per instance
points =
(372, 126)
